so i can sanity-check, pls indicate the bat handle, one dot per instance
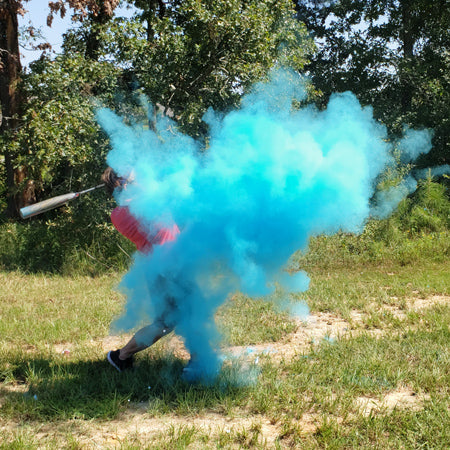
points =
(90, 189)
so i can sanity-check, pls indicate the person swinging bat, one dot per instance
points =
(126, 224)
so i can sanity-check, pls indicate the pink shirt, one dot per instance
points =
(127, 225)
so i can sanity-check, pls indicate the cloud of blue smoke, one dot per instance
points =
(386, 201)
(414, 143)
(272, 177)
(436, 171)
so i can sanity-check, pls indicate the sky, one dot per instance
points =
(36, 15)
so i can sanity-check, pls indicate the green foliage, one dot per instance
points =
(77, 239)
(74, 240)
(198, 55)
(195, 55)
(392, 55)
(62, 149)
(59, 142)
(427, 211)
(3, 186)
(187, 56)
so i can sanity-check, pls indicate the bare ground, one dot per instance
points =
(137, 423)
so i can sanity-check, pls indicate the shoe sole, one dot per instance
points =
(112, 362)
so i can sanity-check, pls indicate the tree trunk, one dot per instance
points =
(93, 39)
(99, 16)
(407, 37)
(154, 7)
(9, 76)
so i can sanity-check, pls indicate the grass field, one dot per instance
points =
(369, 367)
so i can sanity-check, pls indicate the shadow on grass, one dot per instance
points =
(61, 390)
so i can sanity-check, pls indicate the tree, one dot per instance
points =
(59, 140)
(189, 55)
(13, 103)
(10, 69)
(150, 9)
(96, 12)
(393, 54)
(186, 56)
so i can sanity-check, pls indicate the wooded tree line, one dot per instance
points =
(187, 55)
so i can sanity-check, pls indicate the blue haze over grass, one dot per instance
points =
(272, 177)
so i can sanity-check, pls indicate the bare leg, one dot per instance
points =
(150, 334)
(144, 338)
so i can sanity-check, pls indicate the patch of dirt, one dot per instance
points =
(62, 349)
(16, 388)
(416, 305)
(212, 424)
(21, 388)
(401, 398)
(137, 423)
(112, 342)
(316, 328)
(313, 330)
(422, 303)
(320, 327)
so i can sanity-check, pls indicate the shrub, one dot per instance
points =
(420, 228)
(77, 239)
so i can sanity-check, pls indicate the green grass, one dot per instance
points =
(260, 323)
(50, 399)
(38, 309)
(347, 288)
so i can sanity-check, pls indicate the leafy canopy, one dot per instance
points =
(393, 54)
(191, 55)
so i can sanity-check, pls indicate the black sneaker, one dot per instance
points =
(119, 364)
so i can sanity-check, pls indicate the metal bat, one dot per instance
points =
(51, 203)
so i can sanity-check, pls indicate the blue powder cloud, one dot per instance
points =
(272, 177)
(436, 171)
(414, 143)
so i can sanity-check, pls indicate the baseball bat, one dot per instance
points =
(51, 203)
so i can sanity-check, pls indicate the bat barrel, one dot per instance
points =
(46, 205)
